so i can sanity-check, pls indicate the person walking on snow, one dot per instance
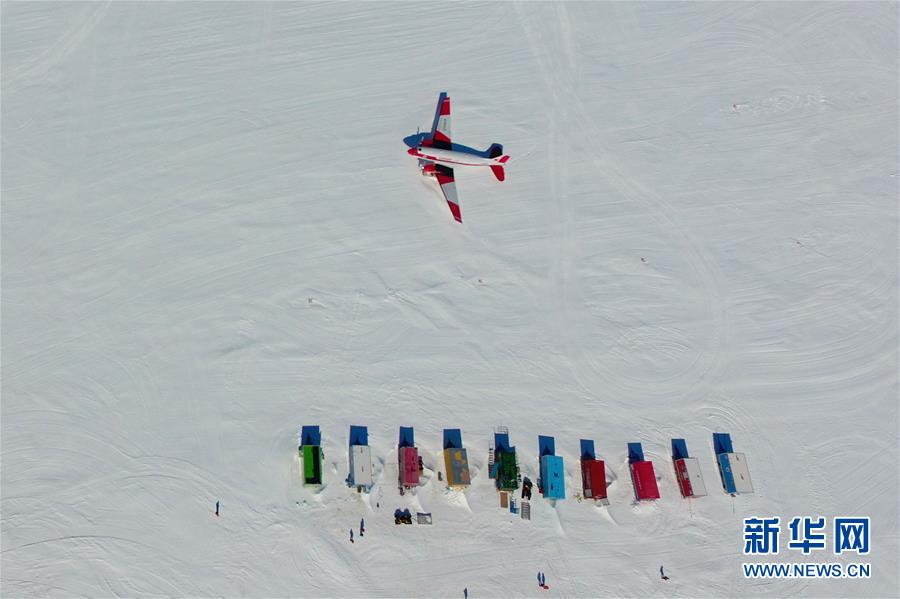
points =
(362, 527)
(217, 508)
(466, 593)
(351, 535)
(662, 574)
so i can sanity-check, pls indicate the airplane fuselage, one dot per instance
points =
(452, 157)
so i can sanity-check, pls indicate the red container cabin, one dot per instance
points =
(593, 473)
(687, 470)
(644, 480)
(409, 467)
(690, 480)
(593, 479)
(642, 476)
(407, 458)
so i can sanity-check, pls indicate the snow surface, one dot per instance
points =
(212, 234)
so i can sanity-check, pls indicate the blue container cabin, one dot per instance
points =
(552, 484)
(733, 467)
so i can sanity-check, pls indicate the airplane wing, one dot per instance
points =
(444, 175)
(440, 128)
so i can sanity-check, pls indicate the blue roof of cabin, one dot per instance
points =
(501, 442)
(310, 435)
(635, 453)
(407, 439)
(546, 446)
(452, 438)
(359, 435)
(679, 449)
(587, 449)
(722, 443)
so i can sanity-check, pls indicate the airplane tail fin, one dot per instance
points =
(498, 172)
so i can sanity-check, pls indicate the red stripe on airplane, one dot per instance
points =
(440, 136)
(454, 208)
(445, 107)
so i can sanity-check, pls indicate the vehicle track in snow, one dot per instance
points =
(562, 83)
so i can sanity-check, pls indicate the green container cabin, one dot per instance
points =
(311, 454)
(312, 465)
(507, 471)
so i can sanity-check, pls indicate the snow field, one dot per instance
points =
(212, 234)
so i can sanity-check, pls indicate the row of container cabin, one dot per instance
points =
(504, 465)
(732, 469)
(456, 460)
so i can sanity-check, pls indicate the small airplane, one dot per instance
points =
(438, 155)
